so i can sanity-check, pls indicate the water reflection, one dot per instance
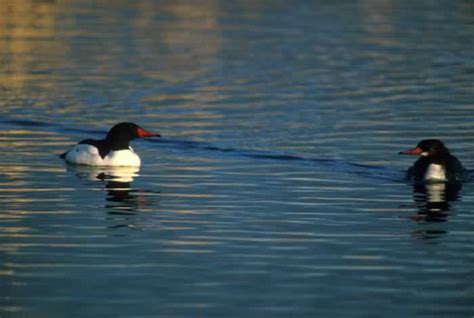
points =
(275, 99)
(121, 198)
(433, 201)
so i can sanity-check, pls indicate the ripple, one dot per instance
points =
(275, 190)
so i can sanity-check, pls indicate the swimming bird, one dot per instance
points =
(436, 163)
(114, 150)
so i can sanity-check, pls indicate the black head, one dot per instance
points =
(120, 135)
(427, 148)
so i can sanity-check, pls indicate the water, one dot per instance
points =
(276, 190)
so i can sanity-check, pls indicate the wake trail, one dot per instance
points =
(341, 166)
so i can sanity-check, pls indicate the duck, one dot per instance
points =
(114, 150)
(436, 163)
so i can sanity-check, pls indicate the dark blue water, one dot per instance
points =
(276, 190)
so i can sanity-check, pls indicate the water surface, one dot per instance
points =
(276, 190)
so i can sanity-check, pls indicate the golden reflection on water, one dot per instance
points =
(197, 207)
(50, 50)
(26, 30)
(377, 18)
(193, 30)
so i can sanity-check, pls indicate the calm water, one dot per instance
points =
(276, 190)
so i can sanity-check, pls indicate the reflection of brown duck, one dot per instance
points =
(433, 200)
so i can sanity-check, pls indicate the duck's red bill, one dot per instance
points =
(414, 151)
(142, 133)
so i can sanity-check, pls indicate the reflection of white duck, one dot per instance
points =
(121, 197)
(114, 150)
(124, 174)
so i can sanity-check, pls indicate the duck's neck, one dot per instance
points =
(439, 155)
(118, 143)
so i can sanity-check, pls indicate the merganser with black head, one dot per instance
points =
(436, 163)
(114, 150)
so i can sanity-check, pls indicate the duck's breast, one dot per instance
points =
(124, 157)
(84, 154)
(435, 172)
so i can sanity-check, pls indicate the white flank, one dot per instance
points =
(89, 155)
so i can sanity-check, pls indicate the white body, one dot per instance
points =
(84, 154)
(435, 172)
